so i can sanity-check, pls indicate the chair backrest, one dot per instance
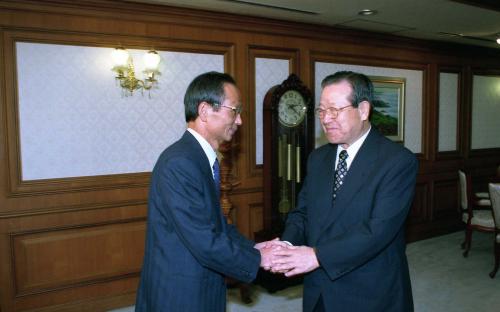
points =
(495, 202)
(463, 189)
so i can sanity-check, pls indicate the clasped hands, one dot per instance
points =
(280, 257)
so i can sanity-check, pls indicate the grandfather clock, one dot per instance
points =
(288, 140)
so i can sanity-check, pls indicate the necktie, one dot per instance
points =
(215, 167)
(340, 173)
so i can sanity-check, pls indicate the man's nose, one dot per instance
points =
(238, 120)
(327, 118)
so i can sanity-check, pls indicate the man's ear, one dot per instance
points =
(203, 108)
(364, 110)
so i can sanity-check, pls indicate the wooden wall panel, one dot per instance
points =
(62, 258)
(446, 195)
(256, 219)
(248, 212)
(419, 210)
(76, 244)
(61, 261)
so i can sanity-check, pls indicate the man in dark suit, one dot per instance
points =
(351, 212)
(190, 248)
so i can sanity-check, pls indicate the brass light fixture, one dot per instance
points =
(124, 67)
(367, 12)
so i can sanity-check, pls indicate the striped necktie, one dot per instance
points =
(340, 173)
(216, 169)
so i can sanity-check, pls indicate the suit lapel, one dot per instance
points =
(206, 170)
(356, 177)
(201, 158)
(199, 154)
(324, 185)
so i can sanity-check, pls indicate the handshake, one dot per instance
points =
(281, 257)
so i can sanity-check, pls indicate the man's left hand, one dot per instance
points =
(294, 260)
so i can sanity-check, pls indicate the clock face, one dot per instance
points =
(291, 108)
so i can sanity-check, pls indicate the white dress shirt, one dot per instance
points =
(207, 148)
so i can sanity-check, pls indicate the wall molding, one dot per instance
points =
(20, 188)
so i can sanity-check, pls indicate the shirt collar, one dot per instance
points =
(353, 149)
(207, 148)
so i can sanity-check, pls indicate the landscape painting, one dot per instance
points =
(388, 106)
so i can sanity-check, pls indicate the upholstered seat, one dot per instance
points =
(466, 195)
(482, 195)
(494, 189)
(480, 217)
(475, 209)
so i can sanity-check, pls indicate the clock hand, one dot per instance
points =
(293, 108)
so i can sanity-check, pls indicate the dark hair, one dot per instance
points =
(362, 87)
(207, 87)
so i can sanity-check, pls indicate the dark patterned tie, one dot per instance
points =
(215, 167)
(340, 172)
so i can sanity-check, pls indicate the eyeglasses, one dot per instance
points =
(332, 111)
(236, 110)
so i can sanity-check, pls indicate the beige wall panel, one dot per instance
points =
(485, 112)
(448, 111)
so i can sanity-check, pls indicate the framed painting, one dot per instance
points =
(388, 106)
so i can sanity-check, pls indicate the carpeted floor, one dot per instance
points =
(442, 280)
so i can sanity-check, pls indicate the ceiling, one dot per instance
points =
(466, 22)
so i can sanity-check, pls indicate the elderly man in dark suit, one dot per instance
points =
(190, 248)
(351, 212)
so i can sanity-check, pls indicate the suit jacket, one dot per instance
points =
(359, 238)
(189, 245)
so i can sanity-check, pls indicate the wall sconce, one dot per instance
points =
(124, 67)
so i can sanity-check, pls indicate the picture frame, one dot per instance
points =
(388, 106)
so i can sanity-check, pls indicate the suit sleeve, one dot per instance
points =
(192, 216)
(366, 239)
(236, 236)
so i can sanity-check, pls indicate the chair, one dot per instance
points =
(494, 189)
(475, 210)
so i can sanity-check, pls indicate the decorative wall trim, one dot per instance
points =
(196, 18)
(32, 211)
